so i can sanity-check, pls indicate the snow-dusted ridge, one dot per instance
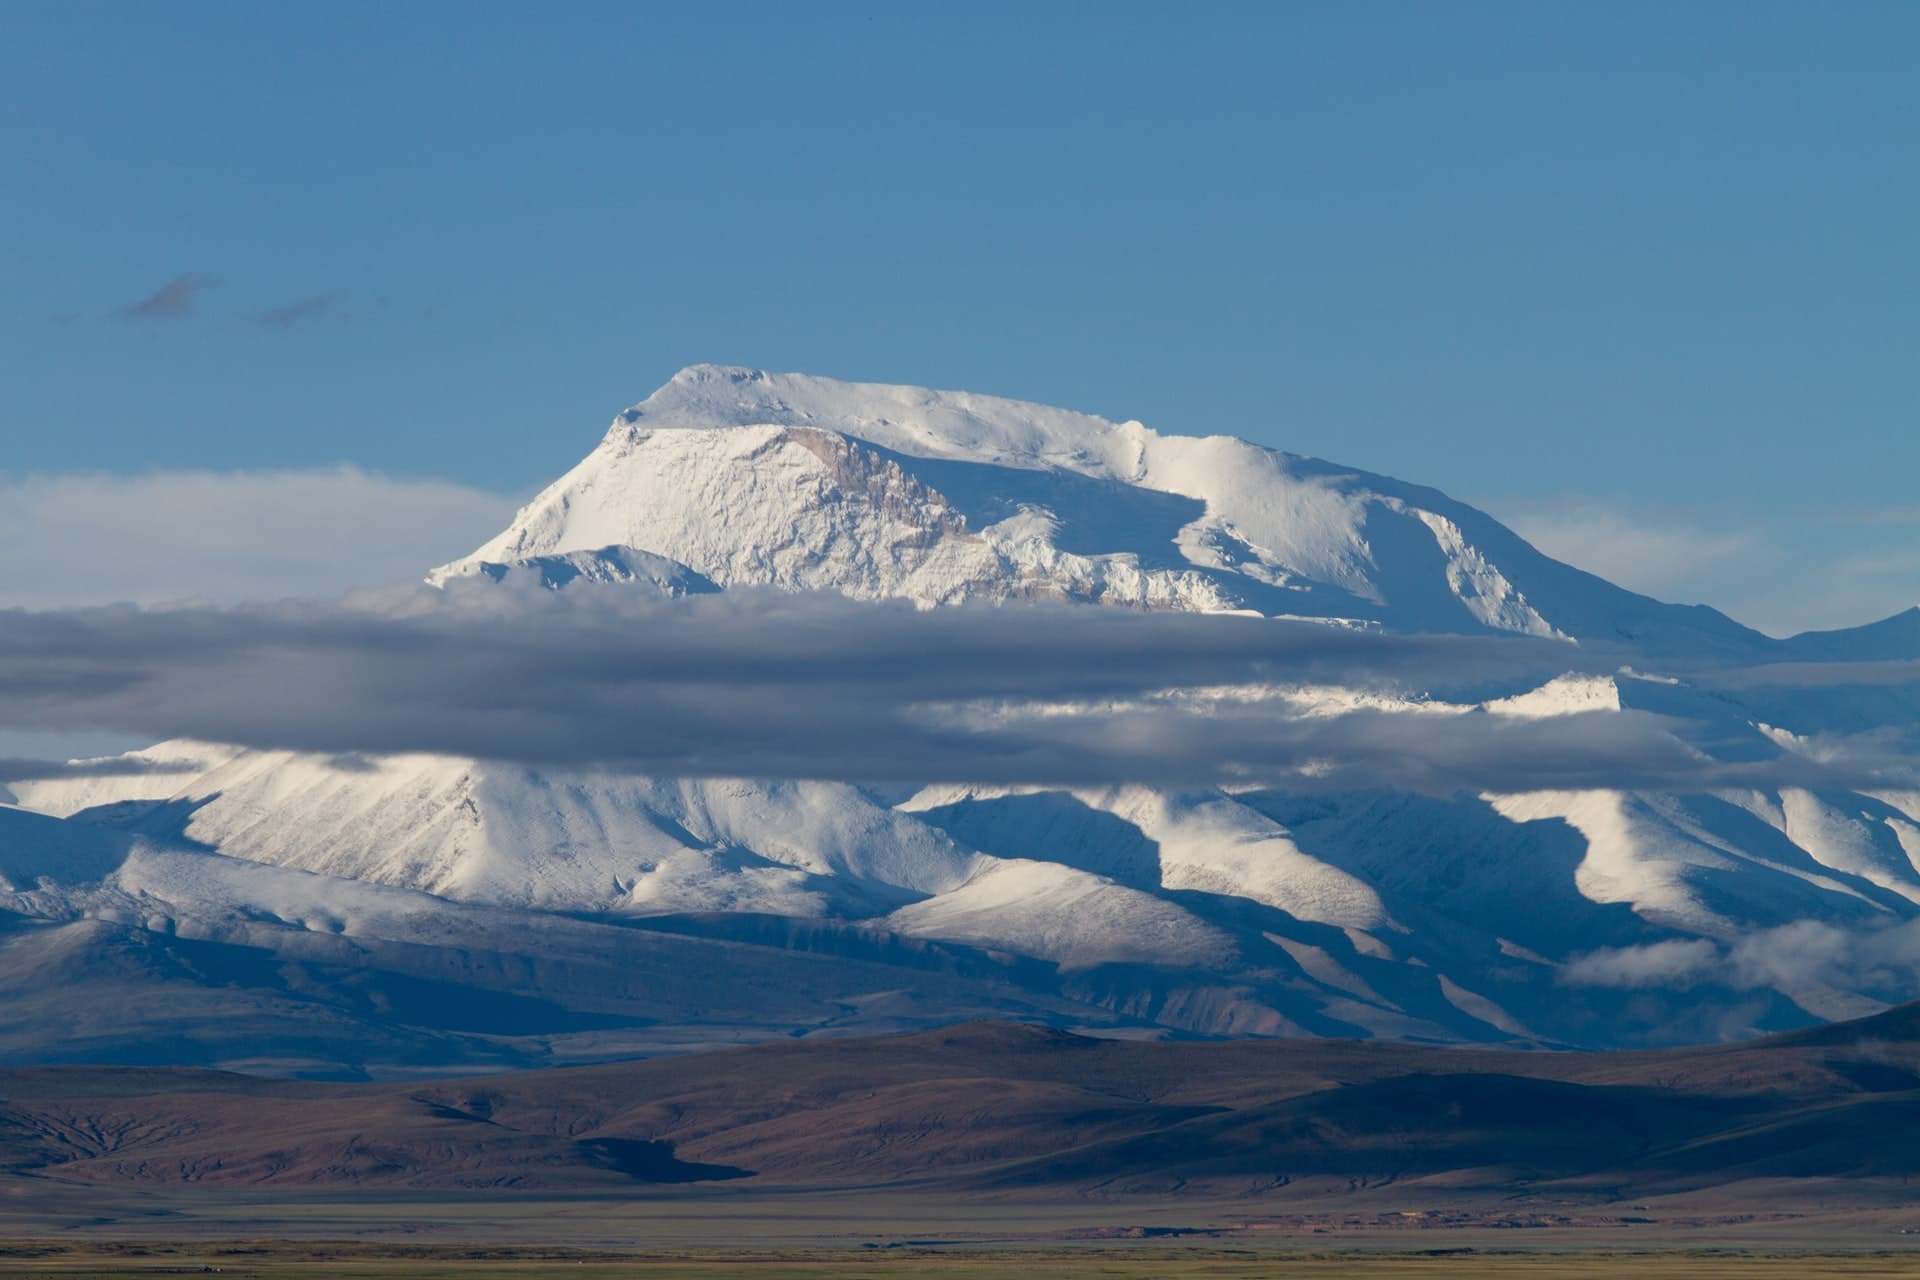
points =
(1589, 918)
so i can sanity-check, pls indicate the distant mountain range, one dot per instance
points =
(398, 915)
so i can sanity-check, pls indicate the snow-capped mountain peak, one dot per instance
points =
(447, 912)
(808, 483)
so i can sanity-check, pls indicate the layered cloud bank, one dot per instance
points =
(761, 684)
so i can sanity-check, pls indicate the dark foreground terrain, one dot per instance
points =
(311, 1262)
(1007, 1110)
(995, 1134)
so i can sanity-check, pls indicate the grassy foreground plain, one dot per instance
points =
(270, 1261)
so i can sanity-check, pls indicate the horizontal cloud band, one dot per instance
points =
(767, 685)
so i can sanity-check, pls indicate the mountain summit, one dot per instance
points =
(805, 483)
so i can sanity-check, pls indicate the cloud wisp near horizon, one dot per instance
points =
(1783, 571)
(759, 684)
(85, 538)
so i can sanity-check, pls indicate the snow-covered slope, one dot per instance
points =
(1208, 842)
(808, 483)
(1581, 918)
(121, 948)
(636, 570)
(151, 774)
(479, 832)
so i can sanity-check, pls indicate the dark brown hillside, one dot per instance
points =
(1004, 1107)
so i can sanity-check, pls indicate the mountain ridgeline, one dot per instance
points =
(308, 915)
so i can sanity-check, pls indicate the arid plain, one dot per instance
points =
(990, 1150)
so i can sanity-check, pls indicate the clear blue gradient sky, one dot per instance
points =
(1654, 264)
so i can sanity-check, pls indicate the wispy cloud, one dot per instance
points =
(1799, 955)
(1675, 964)
(297, 313)
(1783, 572)
(25, 769)
(171, 300)
(1636, 549)
(74, 539)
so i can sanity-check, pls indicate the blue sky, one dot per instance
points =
(1643, 278)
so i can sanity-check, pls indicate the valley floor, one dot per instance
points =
(282, 1261)
(1783, 1229)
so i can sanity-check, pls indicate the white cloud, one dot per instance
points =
(73, 539)
(1800, 956)
(1675, 964)
(1782, 572)
(1628, 548)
